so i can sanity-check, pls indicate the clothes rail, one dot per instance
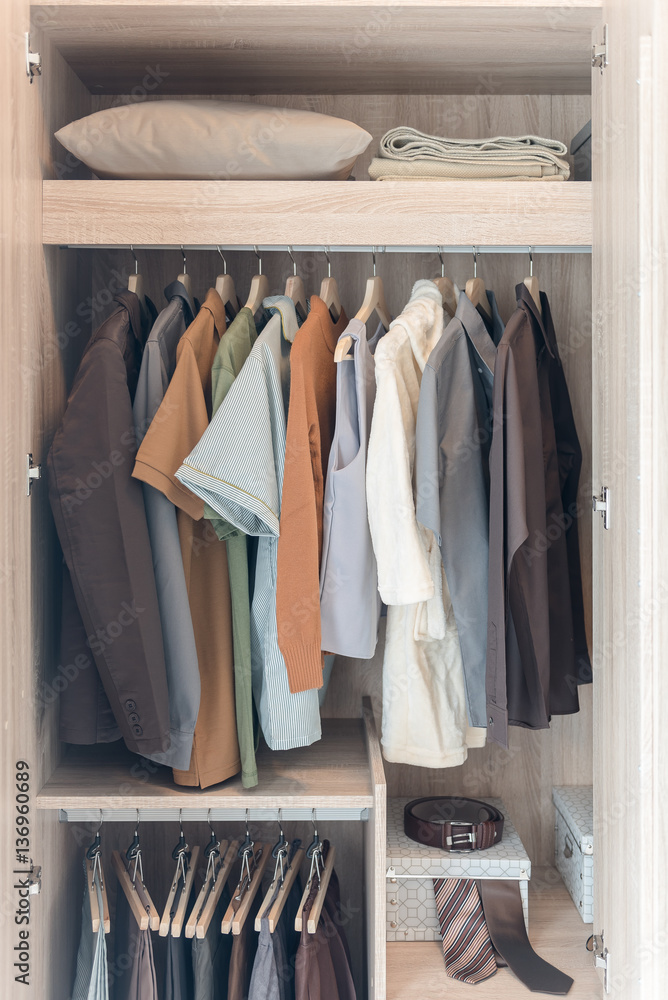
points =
(199, 814)
(320, 248)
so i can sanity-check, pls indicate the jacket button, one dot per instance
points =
(137, 730)
(130, 705)
(133, 717)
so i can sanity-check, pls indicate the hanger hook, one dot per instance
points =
(475, 262)
(224, 261)
(440, 257)
(294, 262)
(329, 272)
(531, 262)
(183, 254)
(373, 254)
(132, 251)
(259, 258)
(280, 824)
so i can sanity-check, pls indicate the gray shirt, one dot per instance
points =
(349, 599)
(454, 435)
(183, 681)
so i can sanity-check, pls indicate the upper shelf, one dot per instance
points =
(333, 776)
(313, 47)
(359, 213)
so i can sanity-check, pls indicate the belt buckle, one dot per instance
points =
(457, 841)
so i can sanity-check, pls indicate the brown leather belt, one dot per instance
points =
(452, 823)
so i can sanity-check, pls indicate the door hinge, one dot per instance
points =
(599, 52)
(596, 945)
(34, 879)
(602, 506)
(33, 472)
(33, 60)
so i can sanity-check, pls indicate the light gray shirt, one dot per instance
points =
(349, 600)
(183, 681)
(453, 440)
(237, 468)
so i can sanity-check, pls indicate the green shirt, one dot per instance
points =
(235, 346)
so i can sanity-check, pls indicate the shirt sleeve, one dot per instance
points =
(233, 467)
(403, 570)
(173, 433)
(298, 579)
(99, 513)
(427, 478)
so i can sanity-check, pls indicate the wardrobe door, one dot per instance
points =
(630, 586)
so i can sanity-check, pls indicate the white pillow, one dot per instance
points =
(219, 140)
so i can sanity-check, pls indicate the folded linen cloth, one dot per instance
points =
(408, 145)
(433, 170)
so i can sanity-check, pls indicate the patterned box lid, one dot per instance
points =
(576, 805)
(406, 858)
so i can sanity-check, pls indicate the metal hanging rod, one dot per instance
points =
(200, 814)
(319, 248)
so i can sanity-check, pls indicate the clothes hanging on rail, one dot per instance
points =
(91, 980)
(157, 368)
(242, 957)
(101, 522)
(453, 440)
(181, 420)
(273, 975)
(322, 963)
(133, 973)
(231, 355)
(211, 956)
(242, 480)
(179, 978)
(537, 652)
(424, 706)
(350, 604)
(310, 429)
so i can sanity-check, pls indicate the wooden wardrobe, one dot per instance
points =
(452, 67)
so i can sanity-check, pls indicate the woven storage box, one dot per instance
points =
(411, 867)
(574, 844)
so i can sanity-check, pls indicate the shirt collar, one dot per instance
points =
(178, 288)
(476, 330)
(331, 331)
(139, 328)
(214, 304)
(284, 307)
(525, 301)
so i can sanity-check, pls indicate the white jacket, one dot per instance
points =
(424, 705)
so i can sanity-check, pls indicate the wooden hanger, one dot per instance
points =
(185, 277)
(94, 880)
(283, 880)
(329, 291)
(374, 302)
(294, 289)
(259, 289)
(136, 282)
(533, 284)
(135, 869)
(322, 855)
(130, 892)
(173, 915)
(253, 864)
(447, 289)
(226, 290)
(217, 884)
(476, 291)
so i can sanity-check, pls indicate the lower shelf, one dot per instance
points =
(556, 931)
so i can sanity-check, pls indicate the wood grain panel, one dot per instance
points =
(407, 48)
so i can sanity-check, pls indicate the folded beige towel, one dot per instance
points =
(412, 154)
(423, 170)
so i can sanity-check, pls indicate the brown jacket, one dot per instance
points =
(537, 650)
(110, 605)
(310, 430)
(178, 425)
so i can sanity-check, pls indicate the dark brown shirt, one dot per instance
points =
(110, 601)
(537, 652)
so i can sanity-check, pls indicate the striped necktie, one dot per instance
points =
(467, 948)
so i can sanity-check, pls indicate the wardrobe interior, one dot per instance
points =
(77, 295)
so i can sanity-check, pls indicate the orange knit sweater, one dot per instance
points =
(310, 430)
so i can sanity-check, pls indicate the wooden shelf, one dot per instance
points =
(556, 932)
(333, 775)
(433, 47)
(354, 213)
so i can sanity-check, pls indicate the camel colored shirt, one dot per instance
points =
(176, 428)
(311, 417)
